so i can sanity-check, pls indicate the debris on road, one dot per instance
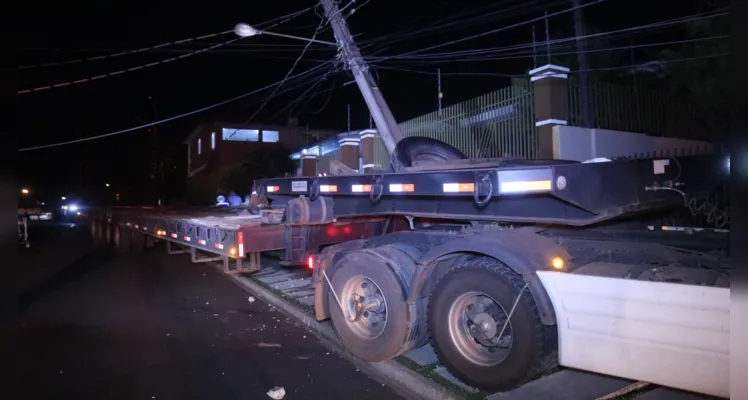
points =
(277, 393)
(251, 299)
(266, 345)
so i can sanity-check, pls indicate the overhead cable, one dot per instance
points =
(283, 19)
(143, 126)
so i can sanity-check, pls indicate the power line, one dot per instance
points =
(711, 56)
(479, 35)
(555, 53)
(122, 71)
(284, 19)
(460, 24)
(122, 53)
(303, 51)
(304, 94)
(119, 132)
(493, 50)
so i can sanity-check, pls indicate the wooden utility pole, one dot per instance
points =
(380, 112)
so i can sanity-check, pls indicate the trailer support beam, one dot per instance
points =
(170, 251)
(195, 259)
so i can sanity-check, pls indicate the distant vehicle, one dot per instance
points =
(72, 209)
(34, 210)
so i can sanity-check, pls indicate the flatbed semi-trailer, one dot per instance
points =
(484, 263)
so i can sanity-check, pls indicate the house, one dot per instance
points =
(214, 149)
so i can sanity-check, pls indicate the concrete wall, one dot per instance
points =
(581, 144)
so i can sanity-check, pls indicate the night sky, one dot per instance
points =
(68, 31)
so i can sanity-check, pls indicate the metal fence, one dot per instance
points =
(633, 109)
(497, 124)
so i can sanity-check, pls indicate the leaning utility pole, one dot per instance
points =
(380, 112)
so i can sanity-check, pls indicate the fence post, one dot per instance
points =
(549, 96)
(349, 151)
(308, 165)
(367, 150)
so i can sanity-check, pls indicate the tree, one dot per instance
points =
(598, 50)
(272, 161)
(698, 71)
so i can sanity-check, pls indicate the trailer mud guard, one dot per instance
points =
(525, 253)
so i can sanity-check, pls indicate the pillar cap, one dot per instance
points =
(549, 71)
(367, 133)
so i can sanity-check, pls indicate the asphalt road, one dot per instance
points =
(154, 326)
(54, 245)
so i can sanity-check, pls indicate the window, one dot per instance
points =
(213, 141)
(199, 146)
(270, 136)
(241, 135)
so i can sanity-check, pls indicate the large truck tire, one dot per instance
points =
(468, 309)
(372, 284)
(419, 148)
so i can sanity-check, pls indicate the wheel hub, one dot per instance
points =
(366, 307)
(475, 321)
(484, 325)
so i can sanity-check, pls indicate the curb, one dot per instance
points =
(402, 379)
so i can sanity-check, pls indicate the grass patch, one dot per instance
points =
(429, 372)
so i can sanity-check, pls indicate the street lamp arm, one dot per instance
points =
(245, 30)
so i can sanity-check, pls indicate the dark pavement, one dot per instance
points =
(54, 246)
(154, 326)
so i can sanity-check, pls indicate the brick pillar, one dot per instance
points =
(549, 86)
(367, 150)
(349, 151)
(308, 165)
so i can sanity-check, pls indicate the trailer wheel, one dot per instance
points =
(371, 285)
(121, 240)
(108, 234)
(138, 242)
(468, 309)
(95, 231)
(418, 148)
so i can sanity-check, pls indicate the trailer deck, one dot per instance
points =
(547, 192)
(236, 234)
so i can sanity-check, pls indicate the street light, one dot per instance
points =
(64, 198)
(25, 191)
(107, 185)
(246, 30)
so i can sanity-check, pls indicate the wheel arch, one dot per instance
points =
(441, 259)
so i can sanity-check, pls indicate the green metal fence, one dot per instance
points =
(497, 124)
(634, 109)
